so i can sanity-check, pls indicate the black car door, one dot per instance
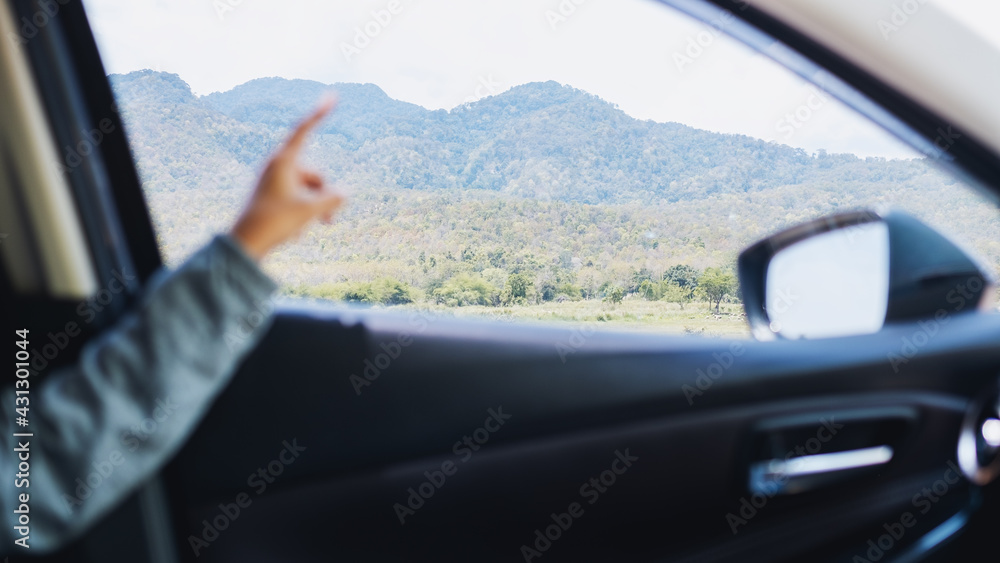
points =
(477, 442)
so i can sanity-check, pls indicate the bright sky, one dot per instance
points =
(440, 53)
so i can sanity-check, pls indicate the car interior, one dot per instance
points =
(876, 439)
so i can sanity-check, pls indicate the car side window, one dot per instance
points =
(598, 162)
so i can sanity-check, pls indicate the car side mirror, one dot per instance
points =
(853, 273)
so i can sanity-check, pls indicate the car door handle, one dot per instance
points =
(800, 474)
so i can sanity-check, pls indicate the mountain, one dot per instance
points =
(539, 136)
(553, 180)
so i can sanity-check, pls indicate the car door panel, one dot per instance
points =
(614, 392)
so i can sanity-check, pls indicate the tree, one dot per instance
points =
(638, 277)
(684, 277)
(615, 295)
(390, 291)
(673, 293)
(716, 284)
(518, 290)
(649, 290)
(547, 290)
(383, 291)
(464, 289)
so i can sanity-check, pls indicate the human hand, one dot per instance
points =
(287, 197)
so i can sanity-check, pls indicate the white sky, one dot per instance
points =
(436, 53)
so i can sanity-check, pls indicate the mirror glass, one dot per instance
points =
(832, 284)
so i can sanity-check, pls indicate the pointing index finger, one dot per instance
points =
(298, 137)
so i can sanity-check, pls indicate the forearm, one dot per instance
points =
(107, 424)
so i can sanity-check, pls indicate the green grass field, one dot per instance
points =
(631, 314)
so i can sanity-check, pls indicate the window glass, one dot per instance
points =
(574, 161)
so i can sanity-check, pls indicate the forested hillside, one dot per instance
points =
(542, 192)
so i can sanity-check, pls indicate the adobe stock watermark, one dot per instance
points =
(365, 33)
(923, 501)
(704, 379)
(696, 45)
(88, 143)
(231, 175)
(390, 351)
(258, 481)
(781, 302)
(899, 16)
(90, 307)
(224, 7)
(88, 310)
(485, 87)
(576, 339)
(792, 121)
(927, 329)
(29, 26)
(132, 439)
(945, 140)
(563, 12)
(236, 337)
(463, 450)
(590, 491)
(751, 507)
